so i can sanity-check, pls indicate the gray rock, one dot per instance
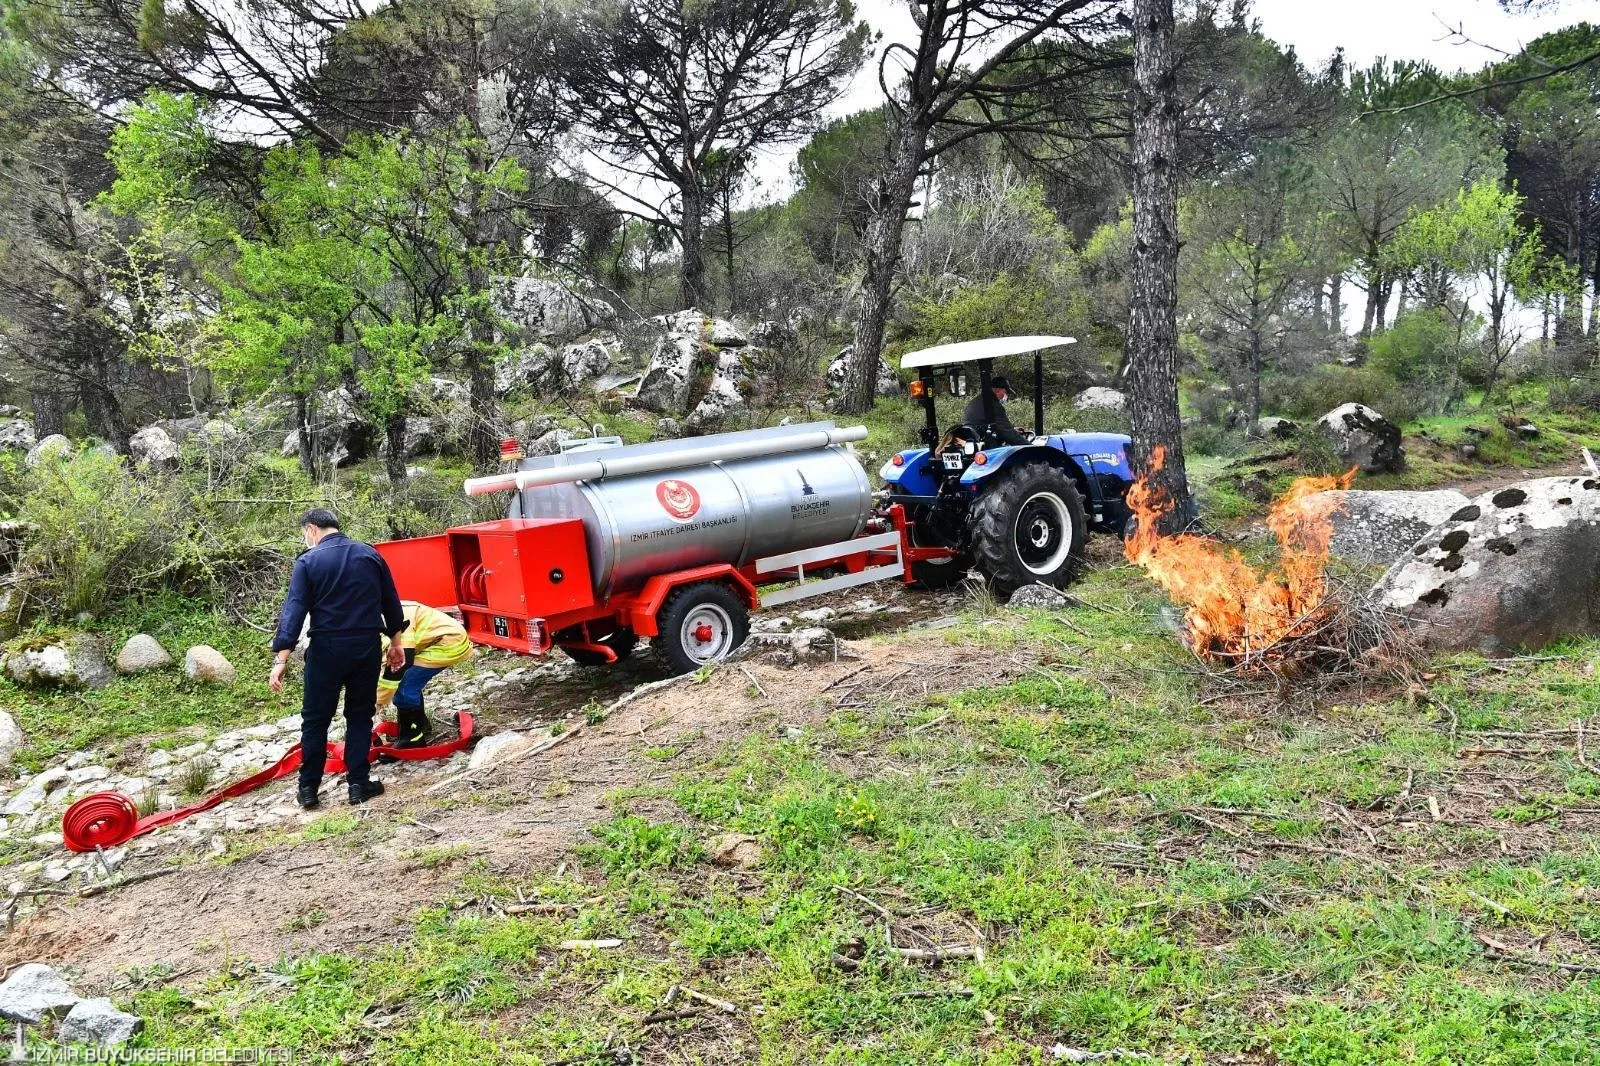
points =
(8, 410)
(447, 391)
(208, 666)
(1099, 398)
(523, 367)
(1037, 595)
(674, 365)
(98, 1022)
(1270, 427)
(1517, 567)
(151, 446)
(724, 396)
(142, 652)
(33, 992)
(887, 385)
(215, 435)
(420, 438)
(548, 309)
(53, 448)
(16, 435)
(668, 429)
(726, 335)
(1380, 526)
(1364, 437)
(77, 661)
(11, 738)
(497, 749)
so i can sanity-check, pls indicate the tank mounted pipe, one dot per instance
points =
(657, 462)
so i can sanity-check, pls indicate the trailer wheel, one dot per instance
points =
(700, 624)
(621, 641)
(1029, 528)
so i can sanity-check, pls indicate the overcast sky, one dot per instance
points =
(1367, 29)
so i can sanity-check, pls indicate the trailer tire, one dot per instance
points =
(621, 641)
(1029, 528)
(700, 624)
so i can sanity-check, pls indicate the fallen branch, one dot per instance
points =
(1583, 756)
(111, 886)
(580, 945)
(1506, 953)
(711, 1001)
(934, 993)
(937, 954)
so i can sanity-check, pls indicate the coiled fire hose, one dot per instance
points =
(107, 819)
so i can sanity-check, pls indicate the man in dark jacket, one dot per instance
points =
(995, 430)
(346, 588)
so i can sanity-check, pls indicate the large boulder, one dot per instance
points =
(76, 661)
(1364, 437)
(98, 1023)
(11, 739)
(1271, 427)
(152, 446)
(523, 368)
(670, 377)
(887, 385)
(53, 448)
(343, 433)
(208, 666)
(16, 435)
(594, 365)
(1099, 398)
(549, 310)
(142, 652)
(1379, 527)
(1517, 567)
(33, 992)
(420, 438)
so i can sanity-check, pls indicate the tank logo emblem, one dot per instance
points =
(805, 486)
(679, 499)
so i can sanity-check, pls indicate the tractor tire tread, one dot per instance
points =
(669, 621)
(993, 533)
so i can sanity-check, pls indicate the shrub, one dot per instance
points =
(1327, 387)
(1425, 352)
(1207, 439)
(1579, 394)
(97, 533)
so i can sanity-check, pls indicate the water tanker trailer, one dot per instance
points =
(674, 540)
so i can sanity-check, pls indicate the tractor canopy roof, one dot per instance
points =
(991, 348)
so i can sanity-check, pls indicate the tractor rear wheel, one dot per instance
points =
(621, 641)
(1029, 528)
(700, 624)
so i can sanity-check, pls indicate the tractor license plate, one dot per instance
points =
(952, 460)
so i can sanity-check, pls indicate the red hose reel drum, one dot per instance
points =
(473, 585)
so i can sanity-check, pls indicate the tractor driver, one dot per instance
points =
(996, 430)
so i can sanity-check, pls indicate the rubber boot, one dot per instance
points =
(365, 791)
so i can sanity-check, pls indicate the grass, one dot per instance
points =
(1143, 870)
(161, 702)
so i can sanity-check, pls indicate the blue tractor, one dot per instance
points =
(1020, 513)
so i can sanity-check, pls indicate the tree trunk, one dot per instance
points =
(394, 463)
(1370, 315)
(1336, 304)
(1319, 295)
(50, 407)
(101, 406)
(692, 238)
(1255, 380)
(1152, 352)
(881, 251)
(307, 436)
(482, 446)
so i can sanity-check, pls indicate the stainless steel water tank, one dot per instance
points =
(733, 510)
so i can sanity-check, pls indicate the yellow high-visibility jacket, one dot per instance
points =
(438, 639)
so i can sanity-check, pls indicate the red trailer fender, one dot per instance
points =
(647, 602)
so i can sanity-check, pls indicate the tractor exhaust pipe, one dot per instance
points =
(690, 455)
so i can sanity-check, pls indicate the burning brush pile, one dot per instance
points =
(1286, 620)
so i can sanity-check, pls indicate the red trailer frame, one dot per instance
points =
(524, 584)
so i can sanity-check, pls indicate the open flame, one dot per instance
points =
(1236, 612)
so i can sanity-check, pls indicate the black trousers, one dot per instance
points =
(335, 665)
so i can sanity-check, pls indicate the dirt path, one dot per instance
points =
(358, 888)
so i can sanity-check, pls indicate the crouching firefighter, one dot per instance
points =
(433, 641)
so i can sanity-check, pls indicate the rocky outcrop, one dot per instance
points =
(16, 435)
(548, 310)
(153, 446)
(76, 661)
(1364, 437)
(1516, 567)
(497, 749)
(142, 652)
(420, 438)
(208, 666)
(887, 385)
(1037, 595)
(1380, 527)
(1099, 398)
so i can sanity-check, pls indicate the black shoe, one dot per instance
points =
(307, 797)
(417, 740)
(365, 791)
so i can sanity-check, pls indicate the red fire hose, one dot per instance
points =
(107, 819)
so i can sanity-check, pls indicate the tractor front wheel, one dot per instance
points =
(700, 624)
(1029, 528)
